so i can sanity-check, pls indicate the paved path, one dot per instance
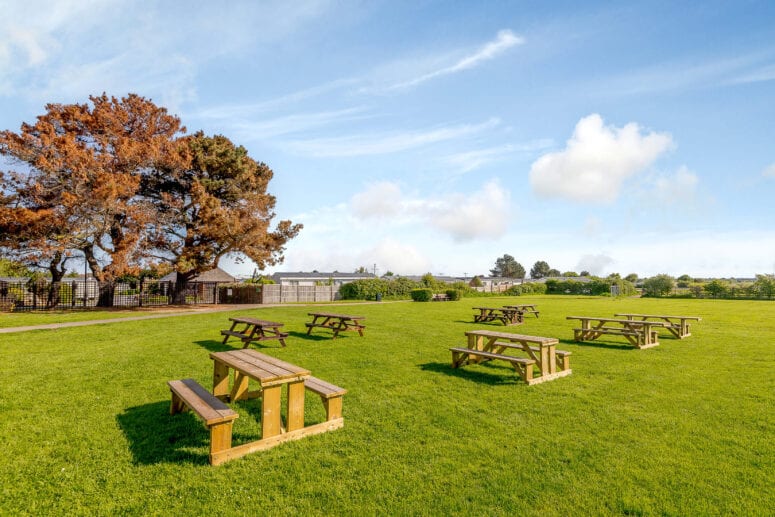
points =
(190, 312)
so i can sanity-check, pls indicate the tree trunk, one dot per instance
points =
(179, 288)
(57, 269)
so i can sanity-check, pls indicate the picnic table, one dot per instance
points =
(486, 345)
(641, 334)
(677, 325)
(252, 329)
(336, 322)
(525, 308)
(272, 375)
(506, 315)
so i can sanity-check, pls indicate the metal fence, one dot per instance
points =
(80, 294)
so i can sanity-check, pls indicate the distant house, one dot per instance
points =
(582, 279)
(317, 278)
(216, 275)
(497, 283)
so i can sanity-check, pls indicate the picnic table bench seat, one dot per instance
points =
(523, 366)
(330, 395)
(217, 416)
(562, 358)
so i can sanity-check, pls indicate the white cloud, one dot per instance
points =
(678, 188)
(393, 255)
(383, 199)
(595, 264)
(66, 49)
(681, 75)
(769, 172)
(384, 143)
(296, 123)
(242, 110)
(483, 214)
(471, 160)
(476, 215)
(504, 41)
(596, 161)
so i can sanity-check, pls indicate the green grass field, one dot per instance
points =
(685, 428)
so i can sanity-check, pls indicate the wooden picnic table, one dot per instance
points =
(272, 375)
(525, 308)
(336, 322)
(252, 329)
(641, 334)
(677, 325)
(506, 315)
(540, 351)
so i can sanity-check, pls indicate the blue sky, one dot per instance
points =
(425, 136)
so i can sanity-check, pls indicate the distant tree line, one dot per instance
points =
(763, 287)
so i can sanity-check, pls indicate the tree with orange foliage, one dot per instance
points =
(214, 207)
(121, 183)
(82, 172)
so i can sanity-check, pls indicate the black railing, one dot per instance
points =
(77, 294)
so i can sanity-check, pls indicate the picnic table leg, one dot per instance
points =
(220, 380)
(475, 343)
(226, 337)
(239, 390)
(295, 405)
(271, 423)
(547, 360)
(312, 325)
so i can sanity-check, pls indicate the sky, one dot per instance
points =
(427, 136)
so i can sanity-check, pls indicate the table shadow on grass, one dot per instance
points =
(500, 375)
(155, 436)
(315, 337)
(216, 346)
(609, 345)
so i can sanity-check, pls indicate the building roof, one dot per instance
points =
(214, 275)
(316, 275)
(582, 279)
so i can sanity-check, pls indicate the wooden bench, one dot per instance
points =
(562, 358)
(590, 334)
(440, 298)
(217, 416)
(330, 395)
(523, 366)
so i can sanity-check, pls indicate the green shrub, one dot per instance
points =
(454, 294)
(422, 295)
(368, 288)
(528, 288)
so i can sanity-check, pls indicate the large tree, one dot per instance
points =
(119, 182)
(215, 205)
(540, 270)
(507, 267)
(82, 165)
